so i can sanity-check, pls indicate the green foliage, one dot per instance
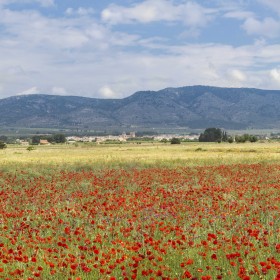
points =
(2, 145)
(113, 142)
(224, 136)
(56, 138)
(3, 138)
(59, 138)
(30, 148)
(246, 138)
(253, 138)
(142, 139)
(36, 139)
(240, 139)
(164, 140)
(175, 140)
(212, 135)
(230, 139)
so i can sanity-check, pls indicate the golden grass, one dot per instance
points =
(141, 155)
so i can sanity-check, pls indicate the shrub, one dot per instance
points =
(253, 138)
(245, 138)
(30, 148)
(2, 145)
(175, 141)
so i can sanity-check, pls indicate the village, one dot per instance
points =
(130, 136)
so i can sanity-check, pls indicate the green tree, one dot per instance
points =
(240, 139)
(36, 139)
(59, 138)
(175, 140)
(211, 135)
(3, 138)
(245, 138)
(2, 145)
(253, 138)
(224, 136)
(230, 139)
(50, 139)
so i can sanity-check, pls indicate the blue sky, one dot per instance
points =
(111, 49)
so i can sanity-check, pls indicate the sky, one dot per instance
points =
(111, 49)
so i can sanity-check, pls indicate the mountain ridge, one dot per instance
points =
(190, 106)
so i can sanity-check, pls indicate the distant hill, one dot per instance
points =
(193, 107)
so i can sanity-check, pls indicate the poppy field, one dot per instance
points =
(188, 222)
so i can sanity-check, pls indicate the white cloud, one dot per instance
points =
(32, 29)
(33, 90)
(268, 27)
(107, 92)
(59, 90)
(75, 54)
(147, 11)
(239, 14)
(43, 3)
(119, 74)
(190, 13)
(274, 5)
(275, 74)
(238, 75)
(79, 12)
(46, 3)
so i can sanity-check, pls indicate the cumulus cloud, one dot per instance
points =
(33, 90)
(239, 14)
(80, 54)
(147, 11)
(31, 28)
(116, 75)
(79, 12)
(190, 13)
(268, 27)
(107, 92)
(275, 74)
(238, 75)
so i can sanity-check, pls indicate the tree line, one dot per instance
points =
(214, 134)
(55, 138)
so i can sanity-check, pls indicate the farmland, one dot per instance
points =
(134, 155)
(149, 211)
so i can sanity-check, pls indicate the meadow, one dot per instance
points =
(140, 211)
(134, 155)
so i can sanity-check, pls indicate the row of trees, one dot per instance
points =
(209, 135)
(56, 138)
(213, 135)
(217, 135)
(246, 138)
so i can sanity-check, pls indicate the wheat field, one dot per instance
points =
(135, 155)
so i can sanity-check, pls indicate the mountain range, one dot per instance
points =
(186, 107)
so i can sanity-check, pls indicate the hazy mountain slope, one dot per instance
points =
(195, 107)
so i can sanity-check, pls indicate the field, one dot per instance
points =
(149, 211)
(135, 155)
